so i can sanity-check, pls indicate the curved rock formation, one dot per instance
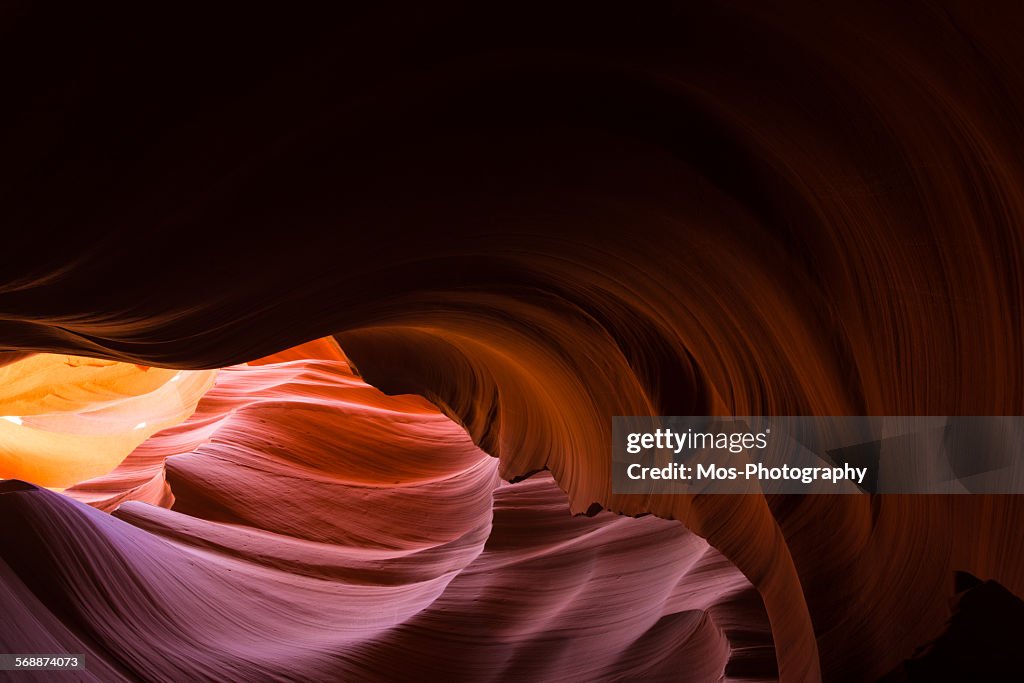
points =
(323, 530)
(538, 218)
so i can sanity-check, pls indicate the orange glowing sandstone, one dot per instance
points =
(65, 419)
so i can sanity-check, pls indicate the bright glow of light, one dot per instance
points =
(11, 418)
(176, 377)
(140, 425)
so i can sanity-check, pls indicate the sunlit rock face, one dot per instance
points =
(65, 419)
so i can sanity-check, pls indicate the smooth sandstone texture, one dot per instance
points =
(546, 219)
(315, 525)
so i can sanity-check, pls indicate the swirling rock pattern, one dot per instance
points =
(538, 219)
(321, 530)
